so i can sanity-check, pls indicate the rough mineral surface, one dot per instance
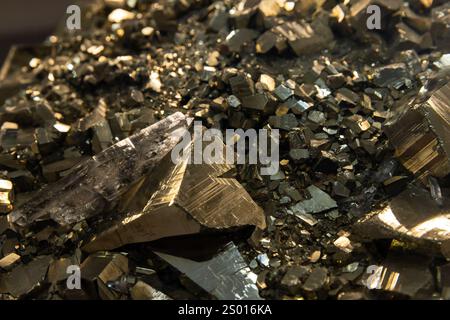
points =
(359, 208)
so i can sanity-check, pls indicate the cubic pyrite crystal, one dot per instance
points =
(419, 133)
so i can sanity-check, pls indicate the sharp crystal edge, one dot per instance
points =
(95, 184)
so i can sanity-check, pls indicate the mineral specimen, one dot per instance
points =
(95, 184)
(422, 144)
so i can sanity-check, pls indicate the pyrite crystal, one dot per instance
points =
(419, 133)
(96, 184)
(359, 208)
(189, 199)
(412, 216)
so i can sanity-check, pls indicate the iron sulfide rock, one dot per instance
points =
(423, 145)
(98, 183)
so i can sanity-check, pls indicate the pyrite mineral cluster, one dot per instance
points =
(360, 205)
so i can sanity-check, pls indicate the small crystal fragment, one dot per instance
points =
(283, 92)
(143, 291)
(242, 86)
(9, 260)
(6, 196)
(118, 15)
(285, 122)
(316, 280)
(255, 102)
(320, 201)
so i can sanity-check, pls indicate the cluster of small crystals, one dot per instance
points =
(311, 69)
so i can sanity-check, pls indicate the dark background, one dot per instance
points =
(29, 21)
